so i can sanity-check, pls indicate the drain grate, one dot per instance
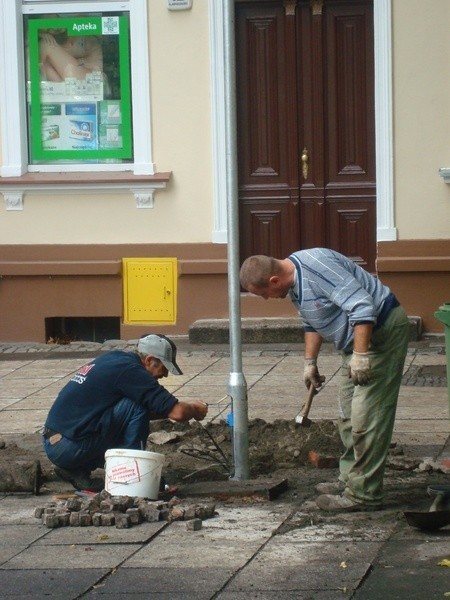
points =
(426, 375)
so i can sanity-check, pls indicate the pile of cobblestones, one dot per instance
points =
(103, 509)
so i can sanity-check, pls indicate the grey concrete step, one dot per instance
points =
(265, 330)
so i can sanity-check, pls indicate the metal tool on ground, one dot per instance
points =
(439, 514)
(302, 419)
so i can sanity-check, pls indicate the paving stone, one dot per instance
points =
(93, 536)
(326, 566)
(194, 525)
(168, 580)
(73, 556)
(58, 584)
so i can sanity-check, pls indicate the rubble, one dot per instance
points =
(430, 465)
(123, 512)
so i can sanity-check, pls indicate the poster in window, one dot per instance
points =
(79, 100)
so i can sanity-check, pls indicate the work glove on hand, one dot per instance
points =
(311, 375)
(359, 368)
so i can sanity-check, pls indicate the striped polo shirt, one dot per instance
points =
(332, 294)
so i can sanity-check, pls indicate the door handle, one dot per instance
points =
(305, 163)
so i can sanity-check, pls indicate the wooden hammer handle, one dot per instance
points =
(311, 394)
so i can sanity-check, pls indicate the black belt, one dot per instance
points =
(49, 432)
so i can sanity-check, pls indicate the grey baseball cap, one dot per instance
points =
(160, 347)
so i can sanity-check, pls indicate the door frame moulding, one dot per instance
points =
(386, 231)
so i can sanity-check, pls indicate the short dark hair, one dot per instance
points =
(257, 270)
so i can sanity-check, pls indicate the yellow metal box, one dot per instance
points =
(149, 290)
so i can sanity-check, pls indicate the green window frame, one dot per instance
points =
(87, 127)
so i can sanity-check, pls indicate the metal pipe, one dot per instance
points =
(237, 386)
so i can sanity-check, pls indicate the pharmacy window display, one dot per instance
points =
(79, 99)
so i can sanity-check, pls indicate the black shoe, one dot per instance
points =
(80, 480)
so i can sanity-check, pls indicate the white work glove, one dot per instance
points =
(311, 375)
(359, 368)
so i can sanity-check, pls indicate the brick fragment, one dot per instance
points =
(164, 514)
(190, 513)
(108, 519)
(97, 519)
(85, 519)
(135, 515)
(121, 503)
(38, 512)
(64, 519)
(205, 511)
(194, 524)
(174, 501)
(73, 504)
(50, 520)
(122, 521)
(149, 513)
(176, 514)
(74, 519)
(322, 462)
(106, 505)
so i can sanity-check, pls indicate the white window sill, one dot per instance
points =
(141, 186)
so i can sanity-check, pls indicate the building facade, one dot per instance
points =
(115, 155)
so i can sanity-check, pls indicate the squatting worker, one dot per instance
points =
(108, 404)
(342, 303)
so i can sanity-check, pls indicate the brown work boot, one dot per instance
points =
(330, 487)
(332, 503)
(81, 480)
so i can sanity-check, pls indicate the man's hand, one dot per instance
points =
(201, 410)
(311, 375)
(185, 411)
(359, 368)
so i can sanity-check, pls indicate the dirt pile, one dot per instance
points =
(196, 451)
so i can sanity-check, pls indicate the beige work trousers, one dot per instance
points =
(367, 413)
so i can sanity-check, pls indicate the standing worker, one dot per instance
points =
(342, 303)
(108, 404)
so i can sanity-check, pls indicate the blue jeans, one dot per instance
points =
(124, 425)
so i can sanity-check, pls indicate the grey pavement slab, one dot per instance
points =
(14, 421)
(408, 569)
(272, 550)
(280, 595)
(283, 565)
(101, 535)
(228, 540)
(19, 510)
(72, 556)
(173, 581)
(42, 368)
(58, 584)
(11, 535)
(19, 388)
(98, 592)
(351, 527)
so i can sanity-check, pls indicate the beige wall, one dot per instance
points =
(181, 119)
(421, 56)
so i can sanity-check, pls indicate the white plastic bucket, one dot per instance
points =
(133, 473)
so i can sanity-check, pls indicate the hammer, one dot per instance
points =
(303, 418)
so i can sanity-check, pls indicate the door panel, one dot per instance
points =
(267, 137)
(306, 127)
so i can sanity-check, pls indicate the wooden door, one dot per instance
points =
(306, 139)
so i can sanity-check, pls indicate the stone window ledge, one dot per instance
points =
(141, 186)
